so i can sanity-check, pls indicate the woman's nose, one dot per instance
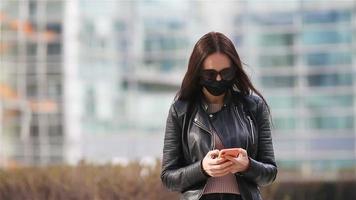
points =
(218, 77)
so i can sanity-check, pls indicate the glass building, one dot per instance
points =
(123, 62)
(129, 65)
(300, 56)
(303, 60)
(31, 83)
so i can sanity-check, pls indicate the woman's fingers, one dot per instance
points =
(221, 166)
(221, 172)
(216, 166)
(217, 161)
(232, 159)
(241, 163)
(219, 169)
(243, 152)
(213, 153)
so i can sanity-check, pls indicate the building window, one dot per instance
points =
(330, 122)
(276, 60)
(285, 123)
(284, 39)
(31, 49)
(326, 16)
(278, 81)
(326, 37)
(319, 101)
(55, 27)
(54, 49)
(328, 58)
(283, 102)
(273, 18)
(330, 80)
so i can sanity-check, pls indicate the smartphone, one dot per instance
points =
(233, 152)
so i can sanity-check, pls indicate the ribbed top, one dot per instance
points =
(222, 184)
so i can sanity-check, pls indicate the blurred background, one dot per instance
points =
(93, 79)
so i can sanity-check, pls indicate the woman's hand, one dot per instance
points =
(215, 166)
(241, 162)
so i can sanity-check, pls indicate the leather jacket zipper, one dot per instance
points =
(238, 115)
(211, 134)
(251, 125)
(197, 123)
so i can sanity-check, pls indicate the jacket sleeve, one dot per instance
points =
(262, 169)
(175, 174)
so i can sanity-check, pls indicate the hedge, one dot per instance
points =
(135, 181)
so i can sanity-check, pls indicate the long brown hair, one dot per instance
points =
(213, 42)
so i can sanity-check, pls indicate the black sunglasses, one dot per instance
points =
(226, 74)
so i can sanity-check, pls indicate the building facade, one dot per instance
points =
(123, 61)
(31, 83)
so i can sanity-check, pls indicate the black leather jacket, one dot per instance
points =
(187, 141)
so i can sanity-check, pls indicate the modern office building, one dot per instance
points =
(123, 61)
(302, 56)
(129, 62)
(31, 103)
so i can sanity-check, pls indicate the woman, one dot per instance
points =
(215, 109)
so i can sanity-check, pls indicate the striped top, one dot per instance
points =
(222, 184)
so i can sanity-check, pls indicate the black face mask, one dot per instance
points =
(216, 88)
